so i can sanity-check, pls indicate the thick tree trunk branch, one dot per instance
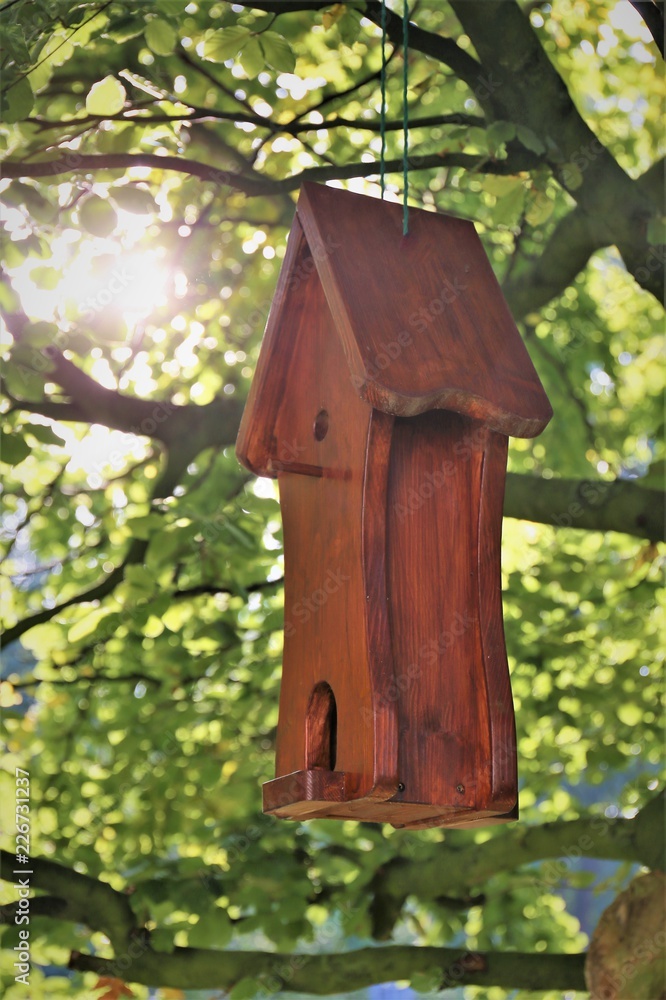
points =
(568, 250)
(101, 405)
(591, 504)
(528, 90)
(67, 412)
(324, 974)
(78, 898)
(640, 840)
(88, 901)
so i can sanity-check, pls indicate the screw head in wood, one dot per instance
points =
(460, 789)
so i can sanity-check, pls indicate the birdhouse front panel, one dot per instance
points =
(389, 377)
(320, 435)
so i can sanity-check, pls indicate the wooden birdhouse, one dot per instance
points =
(390, 376)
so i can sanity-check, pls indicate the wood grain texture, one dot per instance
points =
(456, 744)
(256, 445)
(422, 318)
(305, 794)
(389, 376)
(331, 631)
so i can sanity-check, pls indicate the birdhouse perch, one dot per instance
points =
(390, 376)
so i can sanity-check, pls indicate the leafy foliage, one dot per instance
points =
(147, 709)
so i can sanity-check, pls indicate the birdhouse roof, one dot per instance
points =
(421, 318)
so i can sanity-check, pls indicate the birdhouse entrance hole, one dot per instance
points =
(321, 728)
(320, 427)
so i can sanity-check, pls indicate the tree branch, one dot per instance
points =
(590, 504)
(67, 412)
(468, 864)
(594, 505)
(101, 590)
(258, 184)
(325, 974)
(295, 127)
(104, 909)
(527, 90)
(444, 50)
(89, 901)
(640, 840)
(566, 253)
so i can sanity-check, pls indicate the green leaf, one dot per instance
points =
(24, 382)
(43, 434)
(13, 449)
(9, 300)
(245, 989)
(225, 43)
(540, 208)
(509, 202)
(124, 28)
(19, 194)
(530, 139)
(499, 133)
(133, 199)
(427, 982)
(501, 186)
(106, 97)
(572, 176)
(39, 334)
(97, 215)
(214, 930)
(14, 46)
(16, 101)
(161, 37)
(277, 51)
(251, 58)
(143, 527)
(161, 939)
(46, 278)
(141, 580)
(656, 231)
(630, 713)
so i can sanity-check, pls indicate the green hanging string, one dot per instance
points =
(405, 119)
(382, 119)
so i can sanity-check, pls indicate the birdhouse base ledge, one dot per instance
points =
(322, 794)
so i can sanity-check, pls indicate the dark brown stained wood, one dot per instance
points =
(321, 729)
(255, 445)
(327, 602)
(422, 318)
(456, 744)
(389, 376)
(304, 794)
(500, 702)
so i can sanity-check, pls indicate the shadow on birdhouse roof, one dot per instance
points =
(421, 318)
